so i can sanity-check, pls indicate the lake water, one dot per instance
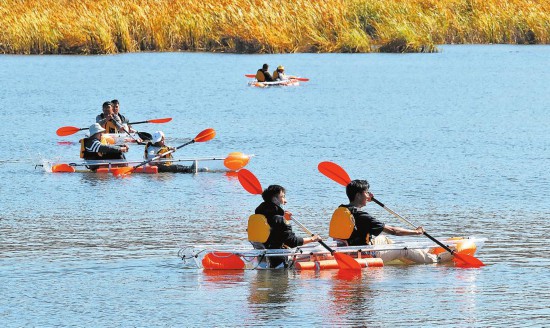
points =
(457, 141)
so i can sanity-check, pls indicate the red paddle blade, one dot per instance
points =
(346, 262)
(205, 135)
(160, 120)
(67, 131)
(122, 171)
(466, 261)
(249, 182)
(250, 75)
(303, 79)
(63, 168)
(222, 261)
(236, 161)
(334, 172)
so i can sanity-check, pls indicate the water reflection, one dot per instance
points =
(215, 279)
(269, 287)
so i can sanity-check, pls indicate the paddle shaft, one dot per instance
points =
(412, 225)
(141, 122)
(163, 154)
(128, 132)
(312, 234)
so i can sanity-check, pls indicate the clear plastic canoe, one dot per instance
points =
(314, 256)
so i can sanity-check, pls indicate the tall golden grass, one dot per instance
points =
(266, 26)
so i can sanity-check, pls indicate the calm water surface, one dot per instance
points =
(457, 141)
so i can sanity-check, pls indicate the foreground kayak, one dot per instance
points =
(315, 257)
(232, 162)
(291, 82)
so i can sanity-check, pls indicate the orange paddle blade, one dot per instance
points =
(160, 120)
(334, 172)
(466, 261)
(122, 171)
(63, 168)
(249, 182)
(205, 135)
(236, 161)
(67, 131)
(303, 79)
(222, 261)
(346, 262)
(250, 75)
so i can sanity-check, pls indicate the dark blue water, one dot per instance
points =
(456, 141)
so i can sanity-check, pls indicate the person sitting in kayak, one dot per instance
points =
(279, 74)
(157, 147)
(366, 229)
(121, 118)
(263, 74)
(108, 120)
(280, 235)
(91, 148)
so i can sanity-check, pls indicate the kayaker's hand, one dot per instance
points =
(124, 148)
(420, 230)
(370, 196)
(288, 216)
(316, 238)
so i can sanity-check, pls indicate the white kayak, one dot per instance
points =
(291, 82)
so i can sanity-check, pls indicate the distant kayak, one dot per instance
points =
(287, 83)
(232, 162)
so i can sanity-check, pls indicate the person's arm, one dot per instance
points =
(396, 231)
(311, 239)
(108, 149)
(100, 121)
(289, 237)
(307, 240)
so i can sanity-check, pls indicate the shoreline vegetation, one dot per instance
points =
(266, 26)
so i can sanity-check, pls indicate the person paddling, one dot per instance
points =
(279, 74)
(263, 75)
(280, 234)
(91, 148)
(108, 120)
(124, 121)
(157, 147)
(366, 229)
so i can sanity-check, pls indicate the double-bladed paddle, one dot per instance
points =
(336, 173)
(203, 136)
(302, 79)
(70, 130)
(251, 184)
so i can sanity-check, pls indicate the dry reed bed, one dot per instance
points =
(266, 26)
